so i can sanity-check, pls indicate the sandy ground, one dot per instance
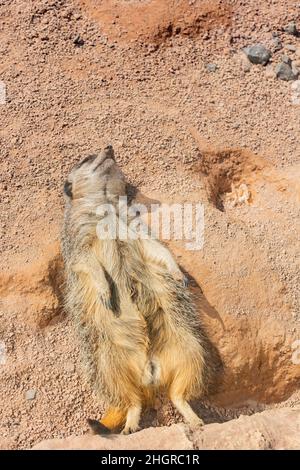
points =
(81, 74)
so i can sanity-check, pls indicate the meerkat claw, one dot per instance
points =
(180, 277)
(130, 430)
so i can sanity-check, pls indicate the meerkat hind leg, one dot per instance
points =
(186, 411)
(133, 419)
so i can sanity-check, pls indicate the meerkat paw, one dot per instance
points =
(130, 429)
(196, 422)
(184, 408)
(180, 277)
(132, 419)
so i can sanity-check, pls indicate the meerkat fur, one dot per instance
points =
(138, 329)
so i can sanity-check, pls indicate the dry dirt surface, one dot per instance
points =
(190, 120)
(269, 430)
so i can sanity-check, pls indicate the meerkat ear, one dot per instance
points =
(88, 159)
(68, 189)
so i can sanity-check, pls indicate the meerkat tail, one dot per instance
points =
(97, 427)
(112, 421)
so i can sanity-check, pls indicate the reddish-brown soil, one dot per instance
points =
(80, 74)
(155, 20)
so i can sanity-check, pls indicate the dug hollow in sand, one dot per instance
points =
(137, 325)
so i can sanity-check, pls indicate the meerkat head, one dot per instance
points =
(96, 174)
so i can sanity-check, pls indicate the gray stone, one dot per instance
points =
(286, 60)
(78, 41)
(295, 87)
(30, 394)
(291, 47)
(258, 54)
(295, 69)
(285, 72)
(211, 67)
(277, 44)
(291, 28)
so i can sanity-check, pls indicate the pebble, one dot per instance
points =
(297, 63)
(291, 28)
(277, 44)
(258, 54)
(78, 41)
(211, 67)
(291, 47)
(295, 69)
(296, 86)
(285, 72)
(286, 60)
(30, 394)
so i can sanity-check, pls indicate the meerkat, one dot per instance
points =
(138, 328)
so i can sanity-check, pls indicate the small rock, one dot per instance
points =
(295, 98)
(285, 72)
(258, 54)
(296, 86)
(211, 67)
(297, 63)
(291, 47)
(295, 68)
(291, 28)
(78, 41)
(295, 101)
(30, 394)
(277, 44)
(286, 60)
